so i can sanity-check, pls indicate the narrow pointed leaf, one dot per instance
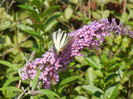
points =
(93, 90)
(51, 19)
(92, 63)
(34, 83)
(104, 58)
(34, 33)
(114, 65)
(50, 9)
(10, 88)
(11, 80)
(112, 91)
(8, 64)
(49, 92)
(27, 7)
(36, 3)
(69, 79)
(109, 77)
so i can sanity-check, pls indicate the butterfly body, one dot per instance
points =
(60, 40)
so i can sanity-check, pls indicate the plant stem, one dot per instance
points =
(102, 5)
(45, 41)
(89, 7)
(125, 4)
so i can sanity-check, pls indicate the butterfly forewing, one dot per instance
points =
(60, 40)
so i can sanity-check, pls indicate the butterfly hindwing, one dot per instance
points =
(60, 40)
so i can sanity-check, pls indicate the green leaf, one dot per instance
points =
(51, 25)
(35, 17)
(68, 13)
(81, 60)
(24, 27)
(36, 3)
(49, 92)
(68, 80)
(96, 15)
(34, 33)
(109, 77)
(90, 76)
(50, 9)
(125, 43)
(105, 14)
(98, 73)
(31, 97)
(125, 17)
(8, 64)
(27, 7)
(60, 89)
(34, 83)
(114, 66)
(104, 58)
(118, 39)
(8, 81)
(92, 62)
(51, 19)
(102, 2)
(74, 1)
(80, 97)
(112, 91)
(93, 90)
(10, 88)
(27, 44)
(5, 25)
(97, 61)
(40, 26)
(109, 40)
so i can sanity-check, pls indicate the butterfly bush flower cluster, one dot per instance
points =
(88, 36)
(93, 34)
(48, 65)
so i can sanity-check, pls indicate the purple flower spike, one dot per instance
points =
(88, 36)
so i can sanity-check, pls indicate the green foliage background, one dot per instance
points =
(25, 26)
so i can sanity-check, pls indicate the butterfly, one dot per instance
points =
(60, 40)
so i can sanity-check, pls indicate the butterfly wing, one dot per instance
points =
(60, 40)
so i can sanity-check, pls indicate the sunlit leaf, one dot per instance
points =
(51, 25)
(49, 92)
(124, 18)
(114, 65)
(104, 58)
(51, 19)
(10, 88)
(68, 13)
(5, 25)
(105, 14)
(34, 83)
(69, 79)
(96, 15)
(27, 44)
(112, 91)
(74, 1)
(26, 6)
(90, 76)
(109, 77)
(93, 90)
(8, 64)
(80, 97)
(34, 33)
(93, 62)
(50, 9)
